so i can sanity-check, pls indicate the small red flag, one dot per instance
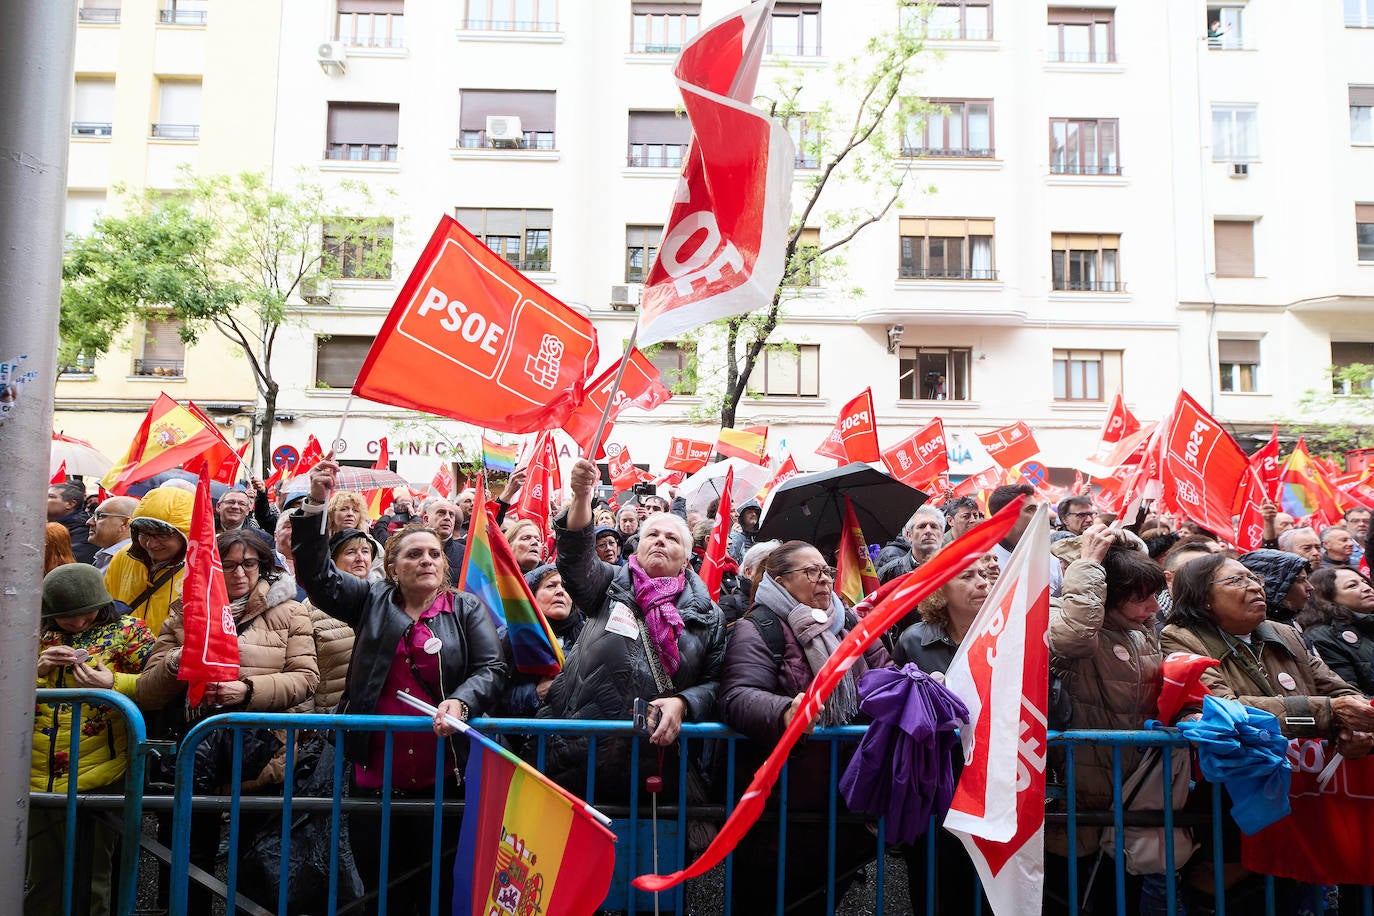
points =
(1268, 467)
(1119, 424)
(542, 480)
(855, 436)
(786, 471)
(640, 386)
(442, 483)
(60, 476)
(1010, 445)
(624, 474)
(383, 462)
(210, 653)
(854, 575)
(712, 565)
(688, 455)
(920, 459)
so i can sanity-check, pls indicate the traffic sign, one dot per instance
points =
(285, 456)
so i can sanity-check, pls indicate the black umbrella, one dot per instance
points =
(810, 507)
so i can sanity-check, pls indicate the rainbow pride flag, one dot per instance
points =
(498, 457)
(526, 846)
(491, 573)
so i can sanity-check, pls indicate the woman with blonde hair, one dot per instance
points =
(346, 510)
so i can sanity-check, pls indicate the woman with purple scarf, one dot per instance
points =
(652, 633)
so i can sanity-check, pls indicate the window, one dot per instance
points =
(933, 373)
(528, 119)
(787, 371)
(953, 129)
(1083, 147)
(521, 237)
(1082, 375)
(641, 246)
(1345, 355)
(1081, 36)
(362, 132)
(1362, 114)
(806, 136)
(178, 110)
(674, 362)
(951, 20)
(370, 23)
(163, 352)
(1359, 14)
(83, 209)
(1364, 232)
(1234, 133)
(662, 28)
(795, 30)
(339, 359)
(513, 15)
(1085, 262)
(93, 107)
(1225, 27)
(183, 12)
(1235, 247)
(99, 11)
(946, 249)
(358, 249)
(1238, 364)
(658, 139)
(81, 364)
(803, 271)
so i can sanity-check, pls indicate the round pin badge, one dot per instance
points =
(1351, 637)
(938, 677)
(820, 616)
(1122, 653)
(433, 645)
(1286, 681)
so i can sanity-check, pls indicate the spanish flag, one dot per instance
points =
(169, 437)
(855, 575)
(749, 443)
(1306, 490)
(379, 500)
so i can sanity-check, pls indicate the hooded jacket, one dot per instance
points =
(1347, 646)
(1279, 570)
(741, 540)
(129, 573)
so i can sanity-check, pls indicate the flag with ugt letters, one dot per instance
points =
(470, 338)
(1001, 672)
(724, 243)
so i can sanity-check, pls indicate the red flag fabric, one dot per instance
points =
(855, 436)
(907, 592)
(1250, 526)
(210, 651)
(986, 479)
(724, 243)
(541, 481)
(230, 471)
(60, 476)
(624, 474)
(786, 471)
(1182, 685)
(171, 435)
(1269, 468)
(1202, 469)
(920, 459)
(854, 572)
(640, 387)
(310, 456)
(383, 462)
(689, 455)
(442, 482)
(712, 565)
(672, 478)
(467, 321)
(1119, 424)
(1010, 445)
(1001, 672)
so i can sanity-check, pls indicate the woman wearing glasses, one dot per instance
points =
(774, 652)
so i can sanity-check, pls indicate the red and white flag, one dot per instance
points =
(1001, 672)
(855, 436)
(1010, 445)
(442, 483)
(1250, 526)
(1268, 467)
(724, 243)
(542, 481)
(640, 386)
(60, 475)
(920, 459)
(1202, 469)
(712, 565)
(687, 455)
(624, 474)
(785, 472)
(211, 651)
(1119, 424)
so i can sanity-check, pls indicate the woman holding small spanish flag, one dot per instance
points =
(413, 633)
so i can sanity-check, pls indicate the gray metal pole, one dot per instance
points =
(36, 49)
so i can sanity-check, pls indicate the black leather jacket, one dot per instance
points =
(471, 665)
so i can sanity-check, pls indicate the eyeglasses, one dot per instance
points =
(248, 566)
(1080, 515)
(1244, 580)
(813, 573)
(101, 516)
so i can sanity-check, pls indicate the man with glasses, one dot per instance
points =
(1076, 514)
(109, 526)
(926, 532)
(231, 512)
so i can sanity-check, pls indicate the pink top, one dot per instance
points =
(416, 672)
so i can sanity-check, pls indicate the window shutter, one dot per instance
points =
(1364, 213)
(94, 101)
(536, 110)
(1238, 351)
(339, 359)
(371, 6)
(538, 219)
(1348, 353)
(809, 238)
(505, 222)
(179, 102)
(1235, 248)
(354, 122)
(1362, 96)
(162, 339)
(659, 127)
(911, 226)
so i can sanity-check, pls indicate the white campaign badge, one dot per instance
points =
(1286, 681)
(622, 622)
(1350, 636)
(1122, 653)
(433, 645)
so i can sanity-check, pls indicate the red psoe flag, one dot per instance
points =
(210, 652)
(624, 474)
(1010, 445)
(541, 481)
(919, 459)
(1119, 424)
(1250, 527)
(689, 455)
(725, 241)
(785, 472)
(855, 436)
(1202, 469)
(640, 386)
(60, 476)
(471, 338)
(1269, 468)
(712, 565)
(1001, 672)
(442, 483)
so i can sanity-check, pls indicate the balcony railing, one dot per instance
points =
(1084, 168)
(182, 17)
(947, 152)
(532, 139)
(644, 47)
(1091, 286)
(98, 14)
(92, 128)
(176, 131)
(82, 365)
(535, 264)
(910, 272)
(806, 162)
(371, 30)
(511, 25)
(159, 367)
(656, 155)
(1082, 57)
(361, 152)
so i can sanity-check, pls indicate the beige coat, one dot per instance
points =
(333, 650)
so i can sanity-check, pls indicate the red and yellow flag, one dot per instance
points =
(1307, 492)
(855, 575)
(170, 436)
(749, 443)
(379, 500)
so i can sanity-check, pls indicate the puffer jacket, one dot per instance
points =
(276, 653)
(1347, 647)
(1303, 710)
(129, 573)
(1112, 670)
(1279, 570)
(333, 650)
(123, 646)
(607, 672)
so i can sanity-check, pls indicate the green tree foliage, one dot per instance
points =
(1340, 418)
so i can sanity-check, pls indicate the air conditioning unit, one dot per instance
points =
(625, 296)
(332, 57)
(315, 290)
(1240, 169)
(504, 130)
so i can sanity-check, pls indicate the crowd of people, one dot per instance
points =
(340, 613)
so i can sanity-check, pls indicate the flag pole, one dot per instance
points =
(333, 445)
(610, 399)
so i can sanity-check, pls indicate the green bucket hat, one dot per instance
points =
(72, 590)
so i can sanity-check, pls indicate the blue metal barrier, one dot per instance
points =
(137, 734)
